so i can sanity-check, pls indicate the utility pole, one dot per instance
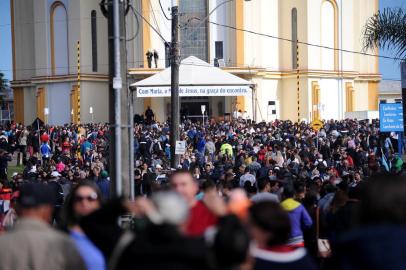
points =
(175, 59)
(114, 10)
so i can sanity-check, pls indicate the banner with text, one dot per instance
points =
(195, 91)
(391, 117)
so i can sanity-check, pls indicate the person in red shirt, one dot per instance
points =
(66, 146)
(349, 159)
(200, 216)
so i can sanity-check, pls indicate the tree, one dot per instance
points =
(3, 82)
(387, 30)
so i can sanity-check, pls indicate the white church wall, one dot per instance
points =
(94, 94)
(30, 111)
(58, 103)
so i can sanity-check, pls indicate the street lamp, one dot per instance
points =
(91, 113)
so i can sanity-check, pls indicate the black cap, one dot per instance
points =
(34, 194)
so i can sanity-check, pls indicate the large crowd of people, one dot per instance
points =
(245, 195)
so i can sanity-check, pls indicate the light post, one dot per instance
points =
(46, 113)
(203, 108)
(91, 113)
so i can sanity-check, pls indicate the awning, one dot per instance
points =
(196, 78)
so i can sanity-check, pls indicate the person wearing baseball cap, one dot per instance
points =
(58, 195)
(33, 242)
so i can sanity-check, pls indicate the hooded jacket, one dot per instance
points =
(299, 218)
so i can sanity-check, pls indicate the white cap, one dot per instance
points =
(158, 166)
(55, 174)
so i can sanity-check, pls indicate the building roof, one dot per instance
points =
(194, 72)
(390, 87)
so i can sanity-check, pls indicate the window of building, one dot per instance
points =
(294, 38)
(59, 39)
(219, 49)
(94, 39)
(194, 35)
(328, 38)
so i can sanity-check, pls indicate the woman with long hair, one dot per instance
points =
(84, 199)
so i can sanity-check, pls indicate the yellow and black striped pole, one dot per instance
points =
(298, 81)
(78, 86)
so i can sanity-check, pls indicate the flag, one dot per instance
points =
(385, 162)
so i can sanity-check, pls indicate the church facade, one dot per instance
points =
(304, 57)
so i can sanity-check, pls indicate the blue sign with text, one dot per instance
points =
(391, 117)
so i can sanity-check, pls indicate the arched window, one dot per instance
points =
(294, 38)
(59, 39)
(94, 39)
(328, 35)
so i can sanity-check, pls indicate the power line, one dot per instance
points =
(150, 25)
(153, 16)
(163, 11)
(226, 26)
(138, 27)
(160, 60)
(206, 18)
(303, 43)
(230, 27)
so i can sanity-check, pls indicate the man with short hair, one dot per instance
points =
(254, 166)
(58, 195)
(247, 176)
(201, 217)
(33, 244)
(357, 179)
(264, 187)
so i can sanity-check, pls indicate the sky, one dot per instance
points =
(5, 39)
(389, 68)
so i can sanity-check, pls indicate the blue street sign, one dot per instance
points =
(391, 117)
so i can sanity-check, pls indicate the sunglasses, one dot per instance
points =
(91, 198)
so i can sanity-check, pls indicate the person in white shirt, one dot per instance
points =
(247, 176)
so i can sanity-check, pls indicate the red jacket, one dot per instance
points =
(199, 220)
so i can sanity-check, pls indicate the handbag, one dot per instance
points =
(9, 219)
(323, 245)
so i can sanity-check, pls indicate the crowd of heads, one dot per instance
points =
(71, 152)
(224, 151)
(280, 185)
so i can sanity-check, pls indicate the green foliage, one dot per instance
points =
(3, 82)
(387, 30)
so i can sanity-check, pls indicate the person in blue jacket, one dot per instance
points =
(299, 218)
(45, 151)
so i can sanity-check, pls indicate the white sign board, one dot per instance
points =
(46, 111)
(91, 110)
(195, 91)
(403, 73)
(117, 83)
(180, 148)
(203, 107)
